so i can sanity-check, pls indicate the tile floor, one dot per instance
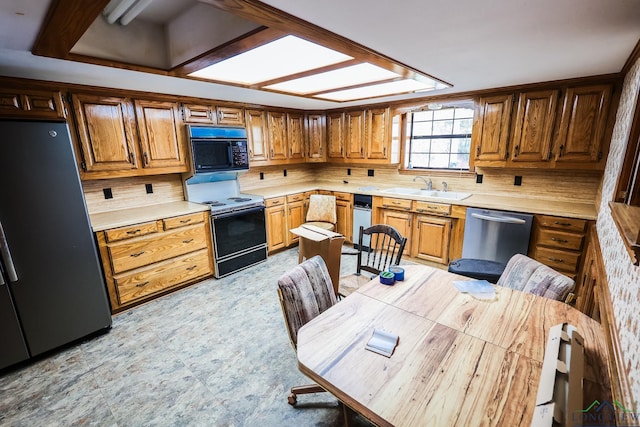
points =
(213, 354)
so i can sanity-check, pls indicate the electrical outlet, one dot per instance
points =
(261, 175)
(479, 178)
(149, 188)
(369, 172)
(284, 172)
(348, 171)
(517, 180)
(107, 193)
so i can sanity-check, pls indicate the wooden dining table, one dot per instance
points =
(460, 361)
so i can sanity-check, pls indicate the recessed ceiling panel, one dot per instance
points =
(342, 77)
(285, 56)
(372, 91)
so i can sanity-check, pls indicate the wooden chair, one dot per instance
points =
(528, 275)
(322, 211)
(385, 248)
(304, 292)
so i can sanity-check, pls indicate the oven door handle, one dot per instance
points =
(235, 213)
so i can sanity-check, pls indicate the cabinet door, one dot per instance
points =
(31, 103)
(431, 238)
(316, 138)
(344, 215)
(533, 127)
(276, 227)
(107, 131)
(378, 132)
(582, 125)
(256, 136)
(230, 116)
(277, 130)
(491, 128)
(295, 135)
(295, 218)
(335, 135)
(162, 137)
(402, 222)
(194, 113)
(354, 134)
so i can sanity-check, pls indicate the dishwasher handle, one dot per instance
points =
(506, 219)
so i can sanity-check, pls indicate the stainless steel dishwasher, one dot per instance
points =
(361, 217)
(495, 235)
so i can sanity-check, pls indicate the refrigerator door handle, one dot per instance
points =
(5, 254)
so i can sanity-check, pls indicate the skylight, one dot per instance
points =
(299, 67)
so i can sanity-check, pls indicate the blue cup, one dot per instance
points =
(397, 271)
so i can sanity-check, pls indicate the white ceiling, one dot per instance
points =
(468, 43)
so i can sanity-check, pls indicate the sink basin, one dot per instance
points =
(449, 195)
(402, 190)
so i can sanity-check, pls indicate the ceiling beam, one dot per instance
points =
(65, 23)
(271, 17)
(245, 42)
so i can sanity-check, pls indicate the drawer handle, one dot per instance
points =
(564, 224)
(191, 268)
(137, 254)
(139, 285)
(555, 259)
(187, 241)
(559, 240)
(134, 231)
(184, 221)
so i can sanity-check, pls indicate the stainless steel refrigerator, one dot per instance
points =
(52, 291)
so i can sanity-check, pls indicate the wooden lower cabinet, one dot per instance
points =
(276, 220)
(558, 242)
(344, 214)
(402, 222)
(146, 260)
(295, 216)
(431, 235)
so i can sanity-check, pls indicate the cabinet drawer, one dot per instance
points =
(434, 208)
(131, 231)
(295, 198)
(129, 255)
(158, 277)
(388, 202)
(557, 259)
(276, 201)
(559, 239)
(342, 196)
(568, 224)
(184, 220)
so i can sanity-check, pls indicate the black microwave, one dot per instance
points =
(218, 149)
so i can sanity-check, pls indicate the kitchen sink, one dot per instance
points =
(449, 195)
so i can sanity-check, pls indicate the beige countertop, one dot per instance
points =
(527, 204)
(123, 217)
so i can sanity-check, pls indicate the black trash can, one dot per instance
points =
(481, 269)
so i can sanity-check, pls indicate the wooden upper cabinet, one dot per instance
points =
(295, 135)
(230, 116)
(195, 113)
(31, 104)
(378, 133)
(107, 132)
(162, 137)
(582, 124)
(256, 136)
(491, 128)
(316, 138)
(533, 126)
(335, 135)
(277, 130)
(354, 134)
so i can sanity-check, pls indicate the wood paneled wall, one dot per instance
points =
(131, 192)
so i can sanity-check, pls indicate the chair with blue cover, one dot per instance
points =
(304, 293)
(528, 275)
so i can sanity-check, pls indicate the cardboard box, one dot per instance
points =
(327, 244)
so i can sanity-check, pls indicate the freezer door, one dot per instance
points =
(14, 349)
(59, 294)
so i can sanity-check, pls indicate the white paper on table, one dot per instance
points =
(480, 289)
(382, 342)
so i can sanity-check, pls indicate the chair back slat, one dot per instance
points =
(386, 246)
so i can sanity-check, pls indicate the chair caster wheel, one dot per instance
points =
(292, 399)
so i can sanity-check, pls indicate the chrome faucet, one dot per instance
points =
(444, 186)
(428, 184)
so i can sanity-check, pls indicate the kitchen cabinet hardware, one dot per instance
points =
(555, 239)
(192, 267)
(555, 259)
(137, 254)
(136, 231)
(184, 221)
(564, 224)
(146, 158)
(187, 241)
(140, 285)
